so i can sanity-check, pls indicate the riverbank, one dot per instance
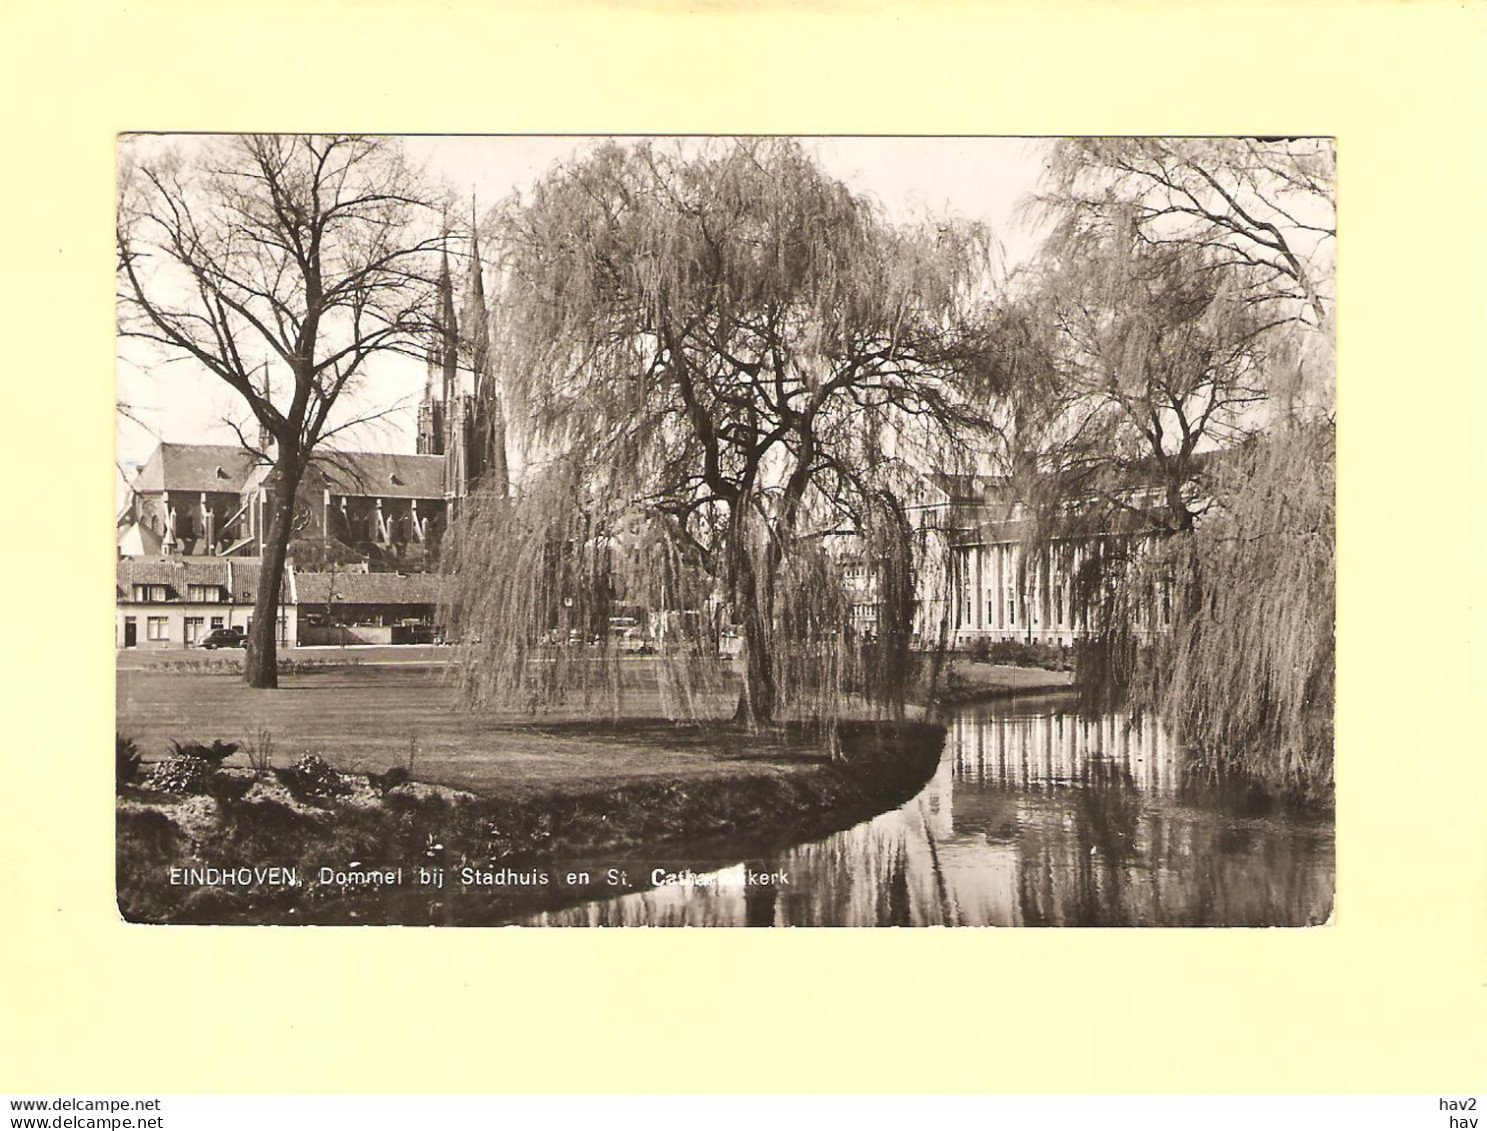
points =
(970, 681)
(280, 845)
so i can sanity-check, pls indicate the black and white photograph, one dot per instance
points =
(792, 531)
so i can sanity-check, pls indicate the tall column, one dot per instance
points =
(978, 614)
(1003, 568)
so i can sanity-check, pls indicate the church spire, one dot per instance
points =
(488, 455)
(448, 328)
(439, 361)
(473, 316)
(265, 437)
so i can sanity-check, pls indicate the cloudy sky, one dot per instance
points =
(984, 179)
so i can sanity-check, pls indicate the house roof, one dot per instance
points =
(195, 467)
(245, 573)
(237, 575)
(175, 572)
(961, 490)
(997, 531)
(353, 587)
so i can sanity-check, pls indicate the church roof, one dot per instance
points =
(382, 474)
(229, 468)
(195, 467)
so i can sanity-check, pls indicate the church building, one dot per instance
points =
(200, 512)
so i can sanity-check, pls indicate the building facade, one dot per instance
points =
(985, 574)
(344, 607)
(171, 604)
(214, 500)
(174, 602)
(1004, 587)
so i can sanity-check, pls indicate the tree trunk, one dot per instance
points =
(1182, 518)
(896, 619)
(756, 700)
(261, 668)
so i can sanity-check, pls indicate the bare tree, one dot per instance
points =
(315, 250)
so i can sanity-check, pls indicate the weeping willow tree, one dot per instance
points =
(1154, 359)
(1183, 434)
(727, 369)
(1247, 671)
(1261, 209)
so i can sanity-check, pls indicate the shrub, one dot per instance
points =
(313, 778)
(954, 683)
(126, 760)
(221, 665)
(260, 750)
(182, 774)
(983, 650)
(215, 754)
(297, 667)
(385, 783)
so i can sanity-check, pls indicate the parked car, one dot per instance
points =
(225, 638)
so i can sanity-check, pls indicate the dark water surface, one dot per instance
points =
(1037, 816)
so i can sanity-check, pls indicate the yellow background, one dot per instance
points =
(1389, 998)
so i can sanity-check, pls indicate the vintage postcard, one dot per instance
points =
(731, 464)
(725, 531)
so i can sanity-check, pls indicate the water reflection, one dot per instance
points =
(1037, 816)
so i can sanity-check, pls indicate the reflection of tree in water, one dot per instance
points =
(1108, 809)
(760, 899)
(865, 876)
(1107, 833)
(1038, 824)
(1169, 868)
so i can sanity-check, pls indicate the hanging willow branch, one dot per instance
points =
(728, 369)
(1177, 431)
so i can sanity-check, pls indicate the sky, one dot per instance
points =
(984, 179)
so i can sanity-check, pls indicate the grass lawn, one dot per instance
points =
(366, 718)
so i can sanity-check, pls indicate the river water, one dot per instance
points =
(1038, 815)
